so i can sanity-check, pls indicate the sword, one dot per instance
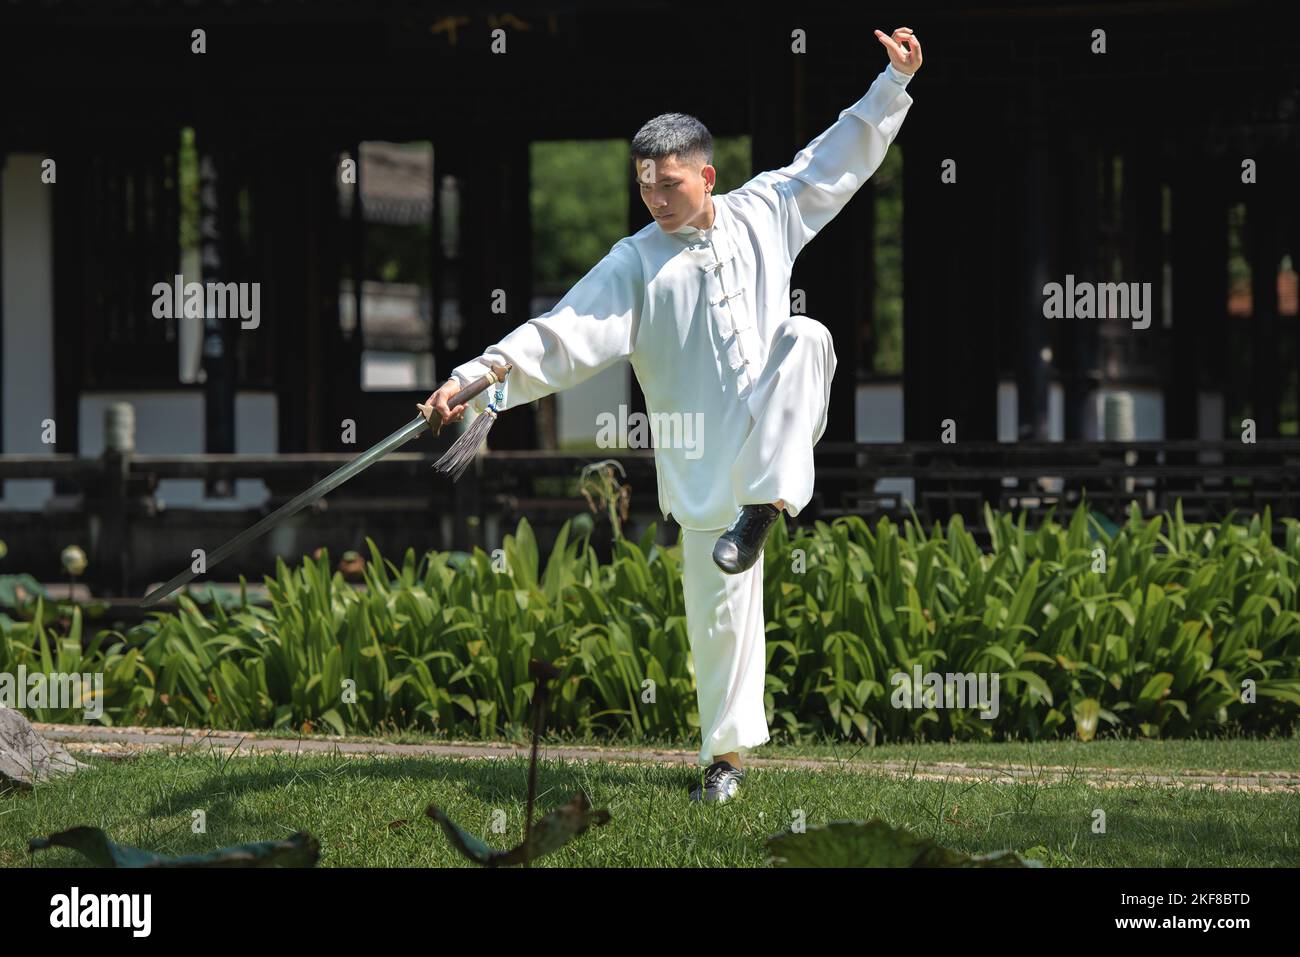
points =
(328, 484)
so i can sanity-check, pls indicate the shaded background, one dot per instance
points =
(481, 171)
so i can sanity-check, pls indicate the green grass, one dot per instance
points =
(1228, 754)
(1225, 754)
(349, 803)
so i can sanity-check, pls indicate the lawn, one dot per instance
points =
(1223, 754)
(352, 804)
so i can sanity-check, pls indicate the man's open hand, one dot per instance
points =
(438, 403)
(904, 50)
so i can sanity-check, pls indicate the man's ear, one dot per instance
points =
(710, 177)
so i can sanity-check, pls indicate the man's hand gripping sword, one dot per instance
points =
(358, 465)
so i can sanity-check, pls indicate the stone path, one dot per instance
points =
(122, 742)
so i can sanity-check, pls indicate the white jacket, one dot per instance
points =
(694, 310)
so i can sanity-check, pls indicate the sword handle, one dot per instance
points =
(498, 374)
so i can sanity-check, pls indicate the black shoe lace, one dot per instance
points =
(714, 775)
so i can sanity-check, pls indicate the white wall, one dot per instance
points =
(26, 254)
(1009, 411)
(577, 408)
(1210, 413)
(172, 423)
(878, 417)
(1148, 413)
(878, 412)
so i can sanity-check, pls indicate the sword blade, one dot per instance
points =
(293, 506)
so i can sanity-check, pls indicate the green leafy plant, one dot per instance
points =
(1158, 628)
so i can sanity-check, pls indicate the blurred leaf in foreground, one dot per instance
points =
(548, 834)
(875, 844)
(300, 850)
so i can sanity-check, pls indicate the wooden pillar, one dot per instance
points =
(455, 156)
(771, 84)
(329, 235)
(862, 292)
(308, 376)
(542, 432)
(1199, 254)
(1036, 214)
(1078, 358)
(495, 255)
(71, 293)
(1289, 206)
(217, 226)
(1216, 371)
(951, 261)
(959, 222)
(1262, 231)
(1143, 170)
(832, 271)
(924, 253)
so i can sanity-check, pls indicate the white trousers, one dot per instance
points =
(724, 613)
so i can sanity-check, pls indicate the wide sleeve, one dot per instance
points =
(801, 198)
(590, 329)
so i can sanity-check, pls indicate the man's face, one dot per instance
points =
(675, 191)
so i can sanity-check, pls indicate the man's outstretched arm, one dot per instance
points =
(591, 328)
(808, 193)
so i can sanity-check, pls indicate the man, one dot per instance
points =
(699, 303)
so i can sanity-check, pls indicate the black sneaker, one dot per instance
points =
(721, 781)
(741, 544)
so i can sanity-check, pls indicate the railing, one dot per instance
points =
(132, 540)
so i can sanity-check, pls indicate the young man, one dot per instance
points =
(699, 303)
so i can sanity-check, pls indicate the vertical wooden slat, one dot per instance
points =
(1145, 248)
(1181, 387)
(1262, 225)
(1078, 339)
(1037, 215)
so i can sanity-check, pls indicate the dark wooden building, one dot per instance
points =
(1030, 155)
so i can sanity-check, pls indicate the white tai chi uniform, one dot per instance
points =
(703, 317)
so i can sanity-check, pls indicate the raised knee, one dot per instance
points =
(803, 327)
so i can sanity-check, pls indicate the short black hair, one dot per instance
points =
(673, 133)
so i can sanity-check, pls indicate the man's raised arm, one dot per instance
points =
(825, 174)
(591, 328)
